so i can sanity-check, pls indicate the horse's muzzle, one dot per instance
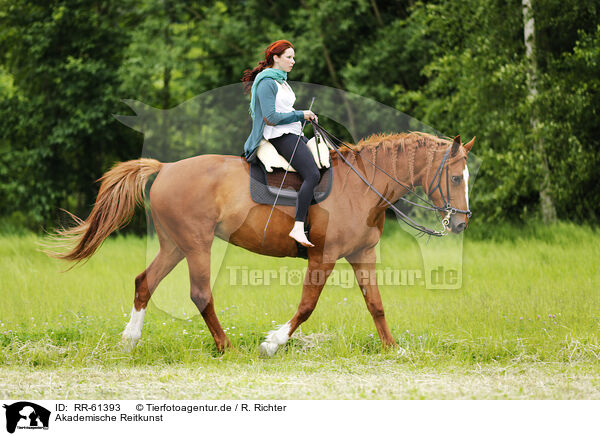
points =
(459, 227)
(458, 223)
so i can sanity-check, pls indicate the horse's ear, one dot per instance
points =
(455, 145)
(469, 144)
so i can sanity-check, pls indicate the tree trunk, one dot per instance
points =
(377, 14)
(338, 83)
(333, 74)
(546, 201)
(166, 92)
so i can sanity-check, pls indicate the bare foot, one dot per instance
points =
(297, 233)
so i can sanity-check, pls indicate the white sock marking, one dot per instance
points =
(133, 330)
(274, 339)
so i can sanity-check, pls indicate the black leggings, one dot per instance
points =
(304, 163)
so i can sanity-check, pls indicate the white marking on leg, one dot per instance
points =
(364, 291)
(133, 330)
(274, 339)
(466, 180)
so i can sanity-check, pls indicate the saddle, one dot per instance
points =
(270, 158)
(267, 168)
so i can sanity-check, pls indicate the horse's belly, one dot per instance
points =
(246, 228)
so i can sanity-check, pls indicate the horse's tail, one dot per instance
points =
(121, 189)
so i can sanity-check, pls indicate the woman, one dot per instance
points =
(274, 118)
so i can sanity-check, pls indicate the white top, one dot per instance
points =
(284, 102)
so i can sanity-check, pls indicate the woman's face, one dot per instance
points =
(284, 62)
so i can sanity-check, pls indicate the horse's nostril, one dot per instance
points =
(460, 227)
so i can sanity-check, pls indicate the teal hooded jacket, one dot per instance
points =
(264, 113)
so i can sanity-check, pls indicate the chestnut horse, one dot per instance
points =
(196, 199)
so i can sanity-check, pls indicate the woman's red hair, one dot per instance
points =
(276, 48)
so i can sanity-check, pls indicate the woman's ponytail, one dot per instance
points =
(250, 75)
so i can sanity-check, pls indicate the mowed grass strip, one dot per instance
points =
(529, 299)
(343, 379)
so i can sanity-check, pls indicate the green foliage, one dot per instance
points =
(477, 86)
(57, 133)
(570, 104)
(459, 67)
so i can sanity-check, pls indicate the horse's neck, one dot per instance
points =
(395, 162)
(409, 165)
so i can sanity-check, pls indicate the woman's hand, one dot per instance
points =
(310, 115)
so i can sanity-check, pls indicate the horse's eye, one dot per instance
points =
(456, 179)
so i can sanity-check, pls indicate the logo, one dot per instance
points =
(25, 415)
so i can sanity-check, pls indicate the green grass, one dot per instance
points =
(528, 313)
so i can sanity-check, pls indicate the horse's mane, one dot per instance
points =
(398, 141)
(394, 143)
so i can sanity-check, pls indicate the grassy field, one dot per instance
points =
(525, 324)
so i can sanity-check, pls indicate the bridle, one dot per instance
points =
(335, 143)
(437, 178)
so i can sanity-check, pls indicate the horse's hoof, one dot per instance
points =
(400, 352)
(128, 344)
(267, 349)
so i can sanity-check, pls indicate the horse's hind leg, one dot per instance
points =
(314, 281)
(363, 263)
(167, 258)
(201, 294)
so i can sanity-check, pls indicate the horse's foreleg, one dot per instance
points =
(145, 284)
(314, 281)
(363, 263)
(201, 295)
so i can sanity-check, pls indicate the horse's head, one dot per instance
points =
(448, 184)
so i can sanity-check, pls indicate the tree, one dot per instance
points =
(58, 133)
(546, 202)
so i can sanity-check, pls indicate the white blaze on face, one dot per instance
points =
(466, 180)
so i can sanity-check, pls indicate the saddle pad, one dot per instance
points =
(271, 159)
(264, 186)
